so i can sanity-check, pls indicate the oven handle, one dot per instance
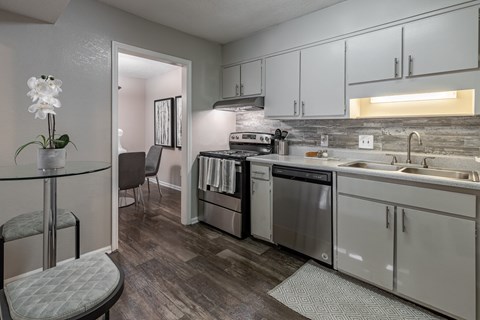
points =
(238, 167)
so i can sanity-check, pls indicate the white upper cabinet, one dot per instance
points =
(309, 83)
(322, 90)
(375, 56)
(251, 78)
(231, 82)
(282, 85)
(242, 80)
(443, 43)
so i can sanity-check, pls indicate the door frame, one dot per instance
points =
(187, 155)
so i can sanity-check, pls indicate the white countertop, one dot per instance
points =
(332, 164)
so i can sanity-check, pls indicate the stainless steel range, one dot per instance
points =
(230, 211)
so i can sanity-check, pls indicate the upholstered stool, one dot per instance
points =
(85, 288)
(30, 224)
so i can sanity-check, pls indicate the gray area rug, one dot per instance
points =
(320, 293)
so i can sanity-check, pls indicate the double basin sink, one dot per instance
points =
(432, 172)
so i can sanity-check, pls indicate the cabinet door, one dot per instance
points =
(443, 43)
(261, 212)
(251, 78)
(231, 82)
(365, 232)
(322, 81)
(282, 85)
(375, 56)
(436, 260)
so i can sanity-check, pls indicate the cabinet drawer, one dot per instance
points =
(260, 172)
(439, 200)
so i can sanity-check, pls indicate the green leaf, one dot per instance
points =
(20, 149)
(61, 142)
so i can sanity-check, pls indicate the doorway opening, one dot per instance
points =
(152, 81)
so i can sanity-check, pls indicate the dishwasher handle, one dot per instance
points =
(308, 175)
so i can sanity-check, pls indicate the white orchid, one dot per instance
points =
(43, 92)
(41, 110)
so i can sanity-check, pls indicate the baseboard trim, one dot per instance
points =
(166, 184)
(26, 274)
(194, 220)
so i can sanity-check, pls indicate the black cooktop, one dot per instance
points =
(230, 154)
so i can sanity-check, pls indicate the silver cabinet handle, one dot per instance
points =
(236, 90)
(410, 65)
(241, 89)
(253, 187)
(387, 217)
(259, 172)
(303, 108)
(395, 70)
(294, 107)
(403, 221)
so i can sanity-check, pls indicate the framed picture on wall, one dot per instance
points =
(178, 121)
(163, 122)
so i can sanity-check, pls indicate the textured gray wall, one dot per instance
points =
(77, 50)
(440, 135)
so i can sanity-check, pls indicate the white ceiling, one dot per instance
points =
(47, 11)
(220, 21)
(136, 67)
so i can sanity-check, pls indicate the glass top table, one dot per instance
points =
(49, 176)
(30, 171)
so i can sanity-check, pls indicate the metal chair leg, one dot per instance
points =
(148, 184)
(2, 257)
(140, 191)
(158, 186)
(135, 197)
(77, 238)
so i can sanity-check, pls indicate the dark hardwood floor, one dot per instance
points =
(195, 272)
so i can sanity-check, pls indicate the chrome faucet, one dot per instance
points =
(409, 143)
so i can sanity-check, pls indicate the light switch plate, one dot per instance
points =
(365, 142)
(324, 140)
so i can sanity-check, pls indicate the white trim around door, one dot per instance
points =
(187, 157)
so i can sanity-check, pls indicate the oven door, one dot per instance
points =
(231, 201)
(222, 210)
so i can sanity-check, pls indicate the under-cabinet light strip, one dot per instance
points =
(415, 97)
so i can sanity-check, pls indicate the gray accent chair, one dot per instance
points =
(152, 165)
(131, 173)
(85, 288)
(31, 224)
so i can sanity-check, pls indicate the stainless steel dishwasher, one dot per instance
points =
(302, 211)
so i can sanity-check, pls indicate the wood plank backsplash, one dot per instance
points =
(441, 135)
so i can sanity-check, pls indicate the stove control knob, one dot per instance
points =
(237, 137)
(261, 139)
(267, 139)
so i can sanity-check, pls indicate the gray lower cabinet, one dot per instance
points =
(365, 231)
(425, 254)
(261, 202)
(436, 260)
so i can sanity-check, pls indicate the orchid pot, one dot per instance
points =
(51, 158)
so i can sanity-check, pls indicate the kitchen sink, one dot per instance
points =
(451, 174)
(409, 168)
(372, 165)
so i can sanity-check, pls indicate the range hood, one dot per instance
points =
(239, 105)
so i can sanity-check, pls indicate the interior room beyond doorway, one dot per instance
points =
(149, 112)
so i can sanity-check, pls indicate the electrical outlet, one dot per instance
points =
(324, 140)
(365, 142)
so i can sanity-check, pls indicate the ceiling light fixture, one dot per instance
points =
(415, 97)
